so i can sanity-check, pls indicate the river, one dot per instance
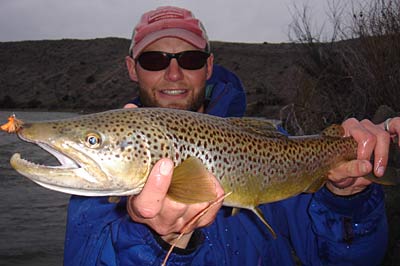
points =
(32, 218)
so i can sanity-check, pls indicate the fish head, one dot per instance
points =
(97, 158)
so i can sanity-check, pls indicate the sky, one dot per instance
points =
(251, 21)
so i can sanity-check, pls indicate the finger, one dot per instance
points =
(354, 168)
(346, 189)
(149, 202)
(394, 127)
(365, 139)
(130, 105)
(171, 217)
(381, 150)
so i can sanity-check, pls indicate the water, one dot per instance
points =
(32, 218)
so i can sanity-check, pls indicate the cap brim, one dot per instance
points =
(185, 35)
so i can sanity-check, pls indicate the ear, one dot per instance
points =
(131, 65)
(210, 64)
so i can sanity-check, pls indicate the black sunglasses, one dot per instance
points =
(155, 61)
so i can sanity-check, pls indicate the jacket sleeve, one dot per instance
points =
(346, 230)
(100, 232)
(87, 225)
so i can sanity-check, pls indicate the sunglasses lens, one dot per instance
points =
(153, 61)
(193, 60)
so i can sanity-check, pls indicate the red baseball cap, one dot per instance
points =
(168, 21)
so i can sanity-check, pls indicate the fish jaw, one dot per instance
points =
(78, 174)
(65, 179)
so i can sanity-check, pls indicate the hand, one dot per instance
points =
(346, 179)
(165, 216)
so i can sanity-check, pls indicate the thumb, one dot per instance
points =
(354, 168)
(149, 202)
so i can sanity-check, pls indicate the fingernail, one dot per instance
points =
(165, 167)
(380, 171)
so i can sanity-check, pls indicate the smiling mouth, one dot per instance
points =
(174, 92)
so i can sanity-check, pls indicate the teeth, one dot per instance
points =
(37, 165)
(30, 163)
(64, 160)
(173, 92)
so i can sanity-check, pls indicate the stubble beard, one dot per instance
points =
(194, 104)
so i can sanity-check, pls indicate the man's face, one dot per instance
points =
(173, 87)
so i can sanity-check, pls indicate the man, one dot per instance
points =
(344, 223)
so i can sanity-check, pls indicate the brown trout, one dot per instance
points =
(112, 153)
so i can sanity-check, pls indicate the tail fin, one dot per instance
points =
(390, 178)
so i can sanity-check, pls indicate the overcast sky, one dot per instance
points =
(251, 21)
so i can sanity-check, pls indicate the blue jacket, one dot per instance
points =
(320, 228)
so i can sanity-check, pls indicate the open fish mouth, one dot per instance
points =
(65, 161)
(72, 177)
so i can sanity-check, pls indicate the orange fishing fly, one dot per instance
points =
(13, 124)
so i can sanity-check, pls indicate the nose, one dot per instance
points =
(174, 71)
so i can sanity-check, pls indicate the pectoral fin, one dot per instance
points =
(191, 183)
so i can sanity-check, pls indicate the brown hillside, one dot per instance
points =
(90, 75)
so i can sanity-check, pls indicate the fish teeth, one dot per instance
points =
(37, 165)
(29, 163)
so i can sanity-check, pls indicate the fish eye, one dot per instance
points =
(93, 140)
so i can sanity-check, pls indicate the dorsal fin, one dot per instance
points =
(264, 127)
